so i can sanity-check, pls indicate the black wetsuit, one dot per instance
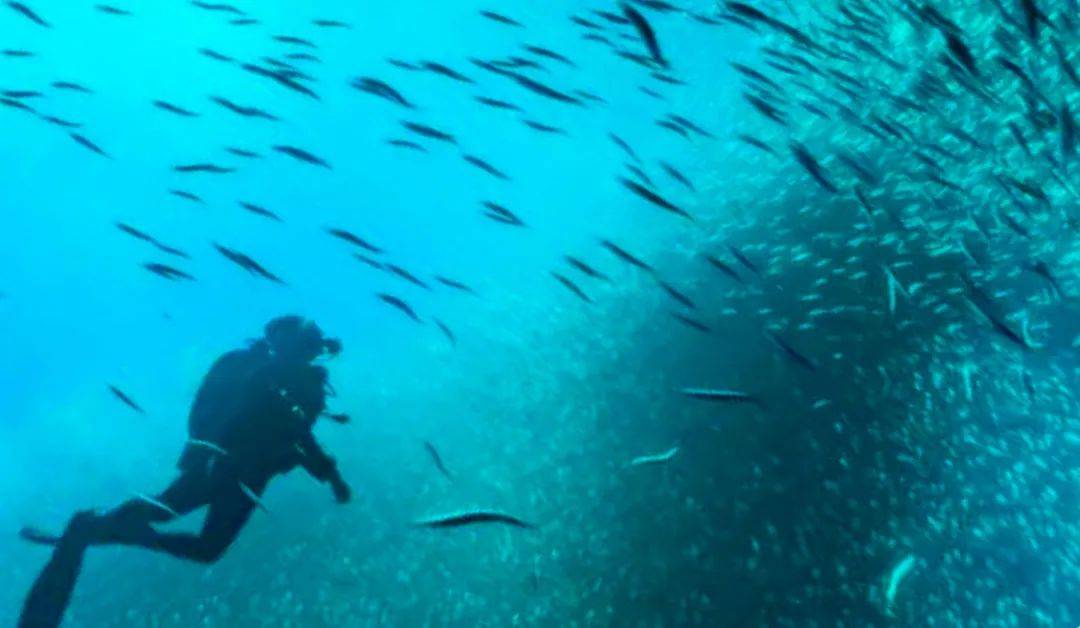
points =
(270, 434)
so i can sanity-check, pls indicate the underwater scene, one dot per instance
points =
(494, 313)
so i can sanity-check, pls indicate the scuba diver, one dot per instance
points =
(251, 421)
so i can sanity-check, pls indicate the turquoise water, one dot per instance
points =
(900, 464)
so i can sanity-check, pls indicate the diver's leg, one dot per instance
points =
(130, 521)
(49, 596)
(229, 511)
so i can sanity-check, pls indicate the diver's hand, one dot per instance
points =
(342, 492)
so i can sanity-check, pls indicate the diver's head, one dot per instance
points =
(294, 338)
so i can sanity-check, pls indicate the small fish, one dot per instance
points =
(242, 152)
(543, 128)
(621, 143)
(486, 167)
(260, 211)
(691, 323)
(446, 331)
(453, 283)
(17, 53)
(400, 305)
(70, 86)
(663, 456)
(168, 272)
(744, 260)
(207, 168)
(280, 78)
(406, 275)
(331, 24)
(646, 33)
(470, 518)
(28, 13)
(427, 131)
(88, 144)
(678, 176)
(791, 353)
(247, 263)
(381, 89)
(502, 19)
(407, 144)
(446, 71)
(240, 110)
(300, 154)
(215, 55)
(811, 165)
(547, 53)
(171, 108)
(224, 8)
(675, 294)
(437, 460)
(724, 268)
(294, 41)
(111, 10)
(585, 268)
(625, 256)
(497, 104)
(572, 287)
(654, 198)
(186, 196)
(125, 399)
(498, 213)
(352, 238)
(719, 395)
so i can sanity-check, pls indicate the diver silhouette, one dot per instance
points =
(251, 420)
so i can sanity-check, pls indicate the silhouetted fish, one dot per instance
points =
(437, 459)
(28, 13)
(486, 167)
(498, 104)
(331, 24)
(811, 165)
(171, 108)
(247, 112)
(791, 353)
(470, 518)
(247, 263)
(186, 195)
(168, 272)
(678, 176)
(498, 213)
(217, 56)
(224, 8)
(427, 131)
(400, 305)
(500, 18)
(543, 128)
(381, 89)
(572, 287)
(406, 275)
(625, 256)
(111, 10)
(70, 86)
(453, 283)
(207, 168)
(300, 154)
(260, 211)
(654, 198)
(446, 331)
(352, 238)
(691, 323)
(585, 268)
(446, 71)
(243, 152)
(88, 144)
(646, 32)
(125, 399)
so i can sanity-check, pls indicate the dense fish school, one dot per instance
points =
(688, 312)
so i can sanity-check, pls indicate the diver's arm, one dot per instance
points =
(322, 467)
